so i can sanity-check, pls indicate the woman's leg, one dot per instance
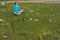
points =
(20, 12)
(15, 13)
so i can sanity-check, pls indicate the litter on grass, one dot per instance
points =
(2, 10)
(26, 14)
(30, 19)
(5, 36)
(2, 24)
(50, 20)
(31, 11)
(45, 33)
(37, 13)
(2, 3)
(7, 23)
(1, 20)
(36, 19)
(53, 14)
(37, 9)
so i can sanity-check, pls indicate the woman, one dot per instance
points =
(17, 9)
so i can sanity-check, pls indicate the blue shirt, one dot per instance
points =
(17, 9)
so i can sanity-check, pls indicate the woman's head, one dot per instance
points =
(16, 3)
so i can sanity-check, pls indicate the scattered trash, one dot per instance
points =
(50, 20)
(0, 19)
(53, 14)
(2, 3)
(31, 11)
(30, 19)
(3, 10)
(7, 23)
(37, 13)
(5, 37)
(26, 14)
(36, 19)
(45, 33)
(37, 9)
(2, 24)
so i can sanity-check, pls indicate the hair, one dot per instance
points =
(15, 3)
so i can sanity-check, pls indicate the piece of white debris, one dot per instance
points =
(7, 23)
(2, 3)
(5, 36)
(30, 19)
(2, 10)
(53, 14)
(2, 24)
(37, 13)
(45, 33)
(37, 9)
(0, 19)
(50, 20)
(36, 19)
(26, 14)
(31, 11)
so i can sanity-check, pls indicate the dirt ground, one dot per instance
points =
(43, 0)
(33, 1)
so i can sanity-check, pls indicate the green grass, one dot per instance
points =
(24, 29)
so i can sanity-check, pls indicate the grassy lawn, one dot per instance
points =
(37, 22)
